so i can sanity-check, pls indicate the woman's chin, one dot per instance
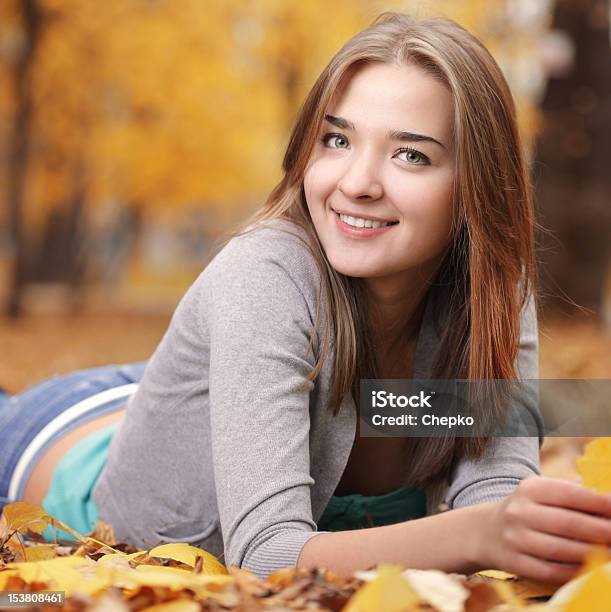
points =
(356, 271)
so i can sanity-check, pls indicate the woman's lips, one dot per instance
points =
(360, 232)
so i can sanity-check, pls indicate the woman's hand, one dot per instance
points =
(545, 528)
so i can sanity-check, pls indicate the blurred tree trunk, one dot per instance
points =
(19, 147)
(62, 257)
(572, 172)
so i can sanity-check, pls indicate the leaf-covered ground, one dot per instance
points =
(99, 574)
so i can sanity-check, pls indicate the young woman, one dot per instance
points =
(399, 244)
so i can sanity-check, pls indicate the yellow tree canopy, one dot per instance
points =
(167, 104)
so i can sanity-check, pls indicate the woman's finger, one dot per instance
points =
(547, 571)
(566, 494)
(552, 547)
(578, 526)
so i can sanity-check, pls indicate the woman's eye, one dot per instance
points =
(335, 141)
(411, 156)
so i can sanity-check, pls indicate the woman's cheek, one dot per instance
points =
(315, 185)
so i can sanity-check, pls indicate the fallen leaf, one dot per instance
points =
(40, 552)
(523, 588)
(104, 533)
(67, 574)
(597, 562)
(21, 516)
(593, 595)
(496, 574)
(388, 591)
(188, 554)
(443, 592)
(482, 597)
(595, 465)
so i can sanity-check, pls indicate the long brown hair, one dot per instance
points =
(488, 271)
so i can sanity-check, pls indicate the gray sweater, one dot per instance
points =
(227, 446)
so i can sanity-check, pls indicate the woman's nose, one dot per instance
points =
(361, 179)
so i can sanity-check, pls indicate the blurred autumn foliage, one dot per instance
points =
(149, 106)
(134, 132)
(149, 112)
(573, 159)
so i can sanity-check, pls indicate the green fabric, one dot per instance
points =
(69, 496)
(356, 511)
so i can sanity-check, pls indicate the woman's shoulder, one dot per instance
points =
(275, 239)
(275, 249)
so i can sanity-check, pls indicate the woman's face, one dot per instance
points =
(384, 154)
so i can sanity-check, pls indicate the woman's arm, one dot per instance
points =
(258, 307)
(434, 542)
(541, 531)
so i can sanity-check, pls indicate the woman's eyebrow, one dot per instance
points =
(403, 136)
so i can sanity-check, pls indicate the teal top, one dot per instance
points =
(69, 496)
(360, 511)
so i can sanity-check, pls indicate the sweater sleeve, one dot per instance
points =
(507, 460)
(260, 324)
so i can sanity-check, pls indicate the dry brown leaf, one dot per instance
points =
(482, 598)
(104, 532)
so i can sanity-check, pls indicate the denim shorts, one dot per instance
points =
(34, 419)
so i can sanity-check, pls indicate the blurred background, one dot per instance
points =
(134, 133)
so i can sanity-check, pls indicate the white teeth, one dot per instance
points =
(359, 222)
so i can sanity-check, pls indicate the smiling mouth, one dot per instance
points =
(363, 222)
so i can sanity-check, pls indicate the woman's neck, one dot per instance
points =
(395, 326)
(395, 313)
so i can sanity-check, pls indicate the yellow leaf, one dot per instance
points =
(117, 561)
(594, 594)
(156, 575)
(595, 465)
(188, 554)
(505, 592)
(496, 574)
(171, 577)
(70, 574)
(40, 552)
(596, 557)
(388, 591)
(21, 516)
(101, 546)
(580, 589)
(179, 552)
(523, 588)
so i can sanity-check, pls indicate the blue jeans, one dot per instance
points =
(34, 419)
